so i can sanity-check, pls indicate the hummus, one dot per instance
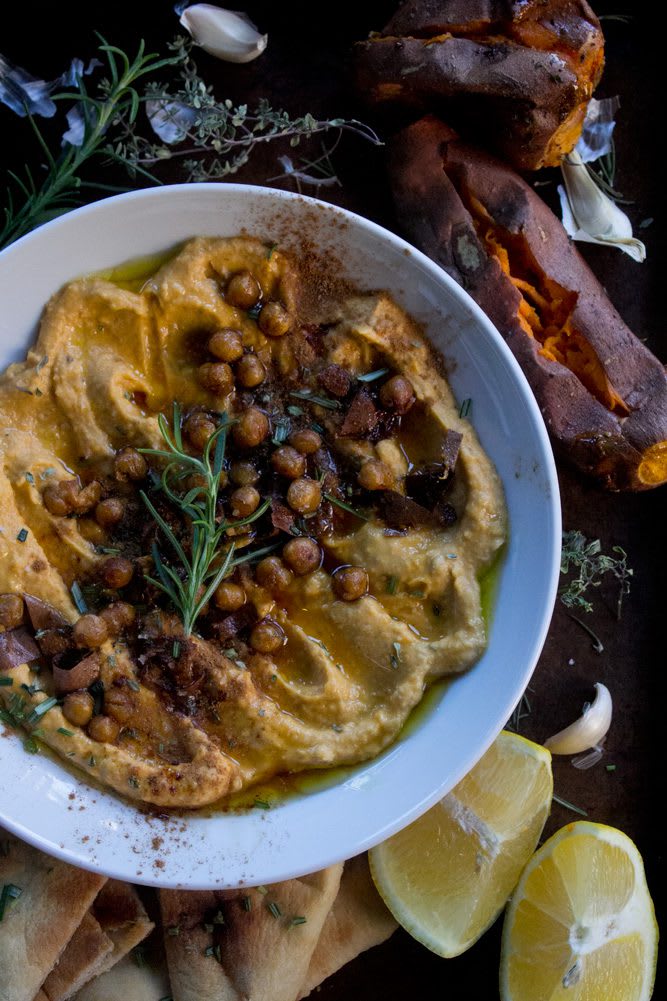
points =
(301, 658)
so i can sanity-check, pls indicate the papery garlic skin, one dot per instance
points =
(226, 34)
(591, 727)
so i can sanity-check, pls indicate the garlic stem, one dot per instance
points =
(589, 730)
(226, 34)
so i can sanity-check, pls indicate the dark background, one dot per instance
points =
(305, 69)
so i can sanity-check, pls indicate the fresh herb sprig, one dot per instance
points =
(584, 557)
(208, 559)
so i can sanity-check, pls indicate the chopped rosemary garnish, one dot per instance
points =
(254, 311)
(30, 745)
(41, 709)
(465, 407)
(569, 806)
(246, 903)
(209, 560)
(174, 931)
(281, 432)
(262, 804)
(78, 598)
(395, 658)
(392, 584)
(91, 761)
(298, 919)
(10, 892)
(295, 411)
(347, 507)
(23, 535)
(133, 781)
(263, 890)
(134, 685)
(372, 376)
(273, 908)
(310, 397)
(176, 650)
(65, 732)
(30, 478)
(5, 682)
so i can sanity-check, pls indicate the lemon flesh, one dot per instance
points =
(447, 876)
(581, 924)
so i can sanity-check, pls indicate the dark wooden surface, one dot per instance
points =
(305, 69)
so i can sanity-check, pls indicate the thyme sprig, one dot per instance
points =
(584, 556)
(207, 559)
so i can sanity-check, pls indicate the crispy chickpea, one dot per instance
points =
(103, 729)
(397, 394)
(304, 495)
(119, 704)
(116, 572)
(305, 441)
(78, 708)
(130, 464)
(226, 344)
(119, 615)
(375, 475)
(198, 429)
(302, 555)
(243, 290)
(274, 320)
(288, 462)
(68, 497)
(244, 501)
(216, 377)
(272, 574)
(250, 371)
(251, 428)
(229, 597)
(90, 631)
(350, 583)
(11, 610)
(88, 497)
(243, 474)
(266, 636)
(109, 512)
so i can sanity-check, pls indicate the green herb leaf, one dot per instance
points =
(23, 535)
(78, 598)
(9, 893)
(347, 507)
(372, 376)
(310, 397)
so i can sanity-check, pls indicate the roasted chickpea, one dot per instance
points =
(251, 428)
(90, 631)
(116, 572)
(243, 290)
(11, 610)
(272, 574)
(119, 704)
(229, 597)
(216, 377)
(288, 462)
(198, 429)
(78, 708)
(119, 615)
(350, 583)
(88, 497)
(375, 475)
(244, 501)
(109, 512)
(397, 394)
(274, 320)
(304, 495)
(243, 473)
(68, 497)
(266, 636)
(250, 371)
(305, 441)
(302, 555)
(130, 464)
(103, 729)
(226, 344)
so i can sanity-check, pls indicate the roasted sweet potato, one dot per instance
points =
(519, 73)
(602, 393)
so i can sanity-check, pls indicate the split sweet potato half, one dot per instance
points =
(602, 394)
(519, 73)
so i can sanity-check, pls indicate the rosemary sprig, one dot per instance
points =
(207, 560)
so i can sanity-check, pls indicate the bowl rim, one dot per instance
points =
(380, 828)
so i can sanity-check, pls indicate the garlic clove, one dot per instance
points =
(589, 730)
(590, 215)
(226, 34)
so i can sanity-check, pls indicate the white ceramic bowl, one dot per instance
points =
(47, 805)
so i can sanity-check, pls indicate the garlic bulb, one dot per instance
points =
(589, 730)
(590, 215)
(226, 34)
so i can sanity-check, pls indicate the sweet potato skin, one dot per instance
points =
(520, 74)
(430, 170)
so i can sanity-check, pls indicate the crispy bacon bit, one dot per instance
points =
(17, 647)
(233, 624)
(328, 471)
(335, 379)
(42, 615)
(282, 517)
(428, 484)
(55, 641)
(81, 675)
(361, 418)
(402, 512)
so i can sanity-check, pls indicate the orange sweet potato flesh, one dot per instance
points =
(602, 393)
(519, 73)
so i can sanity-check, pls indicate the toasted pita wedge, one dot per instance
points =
(357, 921)
(254, 943)
(40, 921)
(127, 981)
(116, 923)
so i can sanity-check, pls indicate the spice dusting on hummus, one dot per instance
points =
(242, 528)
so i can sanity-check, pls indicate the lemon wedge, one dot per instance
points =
(581, 923)
(447, 876)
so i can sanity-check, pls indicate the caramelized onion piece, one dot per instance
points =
(82, 675)
(17, 647)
